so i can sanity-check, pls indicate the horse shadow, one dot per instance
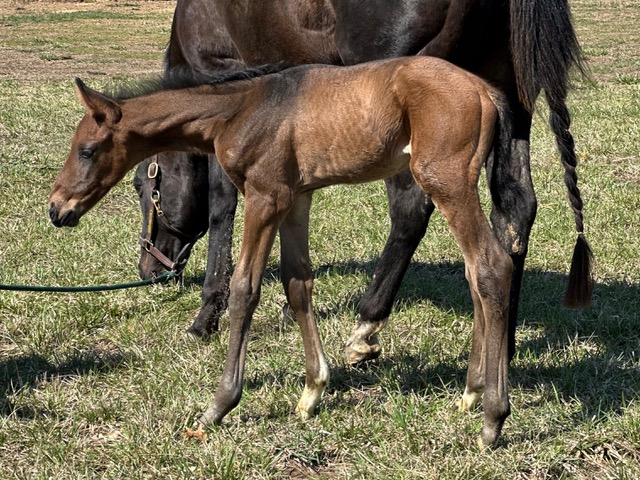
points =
(602, 375)
(32, 370)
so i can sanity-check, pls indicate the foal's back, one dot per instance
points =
(361, 123)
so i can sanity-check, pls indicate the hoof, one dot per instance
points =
(361, 351)
(488, 438)
(481, 444)
(303, 414)
(201, 333)
(468, 402)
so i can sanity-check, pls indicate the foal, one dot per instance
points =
(279, 137)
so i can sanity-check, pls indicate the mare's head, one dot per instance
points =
(173, 190)
(97, 161)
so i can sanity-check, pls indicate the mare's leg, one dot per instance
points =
(297, 280)
(409, 211)
(514, 207)
(223, 199)
(261, 219)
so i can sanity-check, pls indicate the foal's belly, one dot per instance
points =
(353, 165)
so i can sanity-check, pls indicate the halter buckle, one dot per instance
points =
(152, 170)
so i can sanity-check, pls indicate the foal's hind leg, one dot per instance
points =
(453, 185)
(409, 211)
(488, 270)
(297, 280)
(223, 198)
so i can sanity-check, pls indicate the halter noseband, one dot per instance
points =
(157, 215)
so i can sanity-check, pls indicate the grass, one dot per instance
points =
(101, 385)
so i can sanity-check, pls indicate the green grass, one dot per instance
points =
(53, 18)
(101, 385)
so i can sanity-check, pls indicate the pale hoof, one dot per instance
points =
(361, 351)
(468, 402)
(304, 414)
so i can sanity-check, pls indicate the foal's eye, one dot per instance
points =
(87, 153)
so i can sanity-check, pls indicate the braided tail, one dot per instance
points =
(544, 48)
(580, 287)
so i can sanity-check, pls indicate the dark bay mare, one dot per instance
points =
(281, 134)
(520, 47)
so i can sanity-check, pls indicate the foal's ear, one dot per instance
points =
(99, 106)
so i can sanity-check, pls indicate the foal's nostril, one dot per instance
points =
(54, 214)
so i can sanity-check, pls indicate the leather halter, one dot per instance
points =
(156, 215)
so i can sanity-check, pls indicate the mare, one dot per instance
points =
(520, 47)
(281, 134)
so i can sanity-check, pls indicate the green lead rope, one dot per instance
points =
(166, 276)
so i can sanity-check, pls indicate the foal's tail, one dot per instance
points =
(544, 48)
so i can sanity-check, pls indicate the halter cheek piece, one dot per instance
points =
(156, 215)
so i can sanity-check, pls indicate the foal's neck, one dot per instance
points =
(180, 120)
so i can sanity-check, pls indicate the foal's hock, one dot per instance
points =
(280, 135)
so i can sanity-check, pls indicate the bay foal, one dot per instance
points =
(282, 135)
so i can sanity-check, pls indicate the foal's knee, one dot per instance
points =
(298, 292)
(244, 296)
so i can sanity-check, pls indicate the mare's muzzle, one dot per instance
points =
(156, 216)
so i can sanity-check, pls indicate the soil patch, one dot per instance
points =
(57, 40)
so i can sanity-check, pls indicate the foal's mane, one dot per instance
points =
(183, 77)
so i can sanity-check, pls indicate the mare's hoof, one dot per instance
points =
(360, 351)
(488, 438)
(200, 332)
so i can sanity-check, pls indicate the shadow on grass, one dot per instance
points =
(603, 377)
(30, 371)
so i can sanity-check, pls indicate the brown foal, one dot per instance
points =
(282, 135)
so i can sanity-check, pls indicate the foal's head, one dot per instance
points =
(97, 161)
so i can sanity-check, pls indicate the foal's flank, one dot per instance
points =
(280, 135)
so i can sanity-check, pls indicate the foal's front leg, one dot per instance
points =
(261, 218)
(297, 280)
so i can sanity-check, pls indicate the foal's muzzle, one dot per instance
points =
(68, 219)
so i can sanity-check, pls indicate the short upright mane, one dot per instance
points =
(179, 77)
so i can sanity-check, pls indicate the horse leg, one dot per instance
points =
(223, 199)
(514, 207)
(409, 211)
(297, 280)
(261, 220)
(475, 372)
(452, 181)
(489, 271)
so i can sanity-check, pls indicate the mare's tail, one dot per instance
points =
(544, 48)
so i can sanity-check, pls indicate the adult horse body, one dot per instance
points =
(280, 135)
(519, 47)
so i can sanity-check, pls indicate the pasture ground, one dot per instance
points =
(102, 385)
